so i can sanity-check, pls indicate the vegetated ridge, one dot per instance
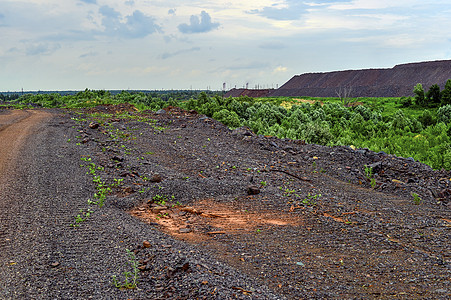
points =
(396, 82)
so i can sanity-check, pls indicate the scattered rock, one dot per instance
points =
(94, 125)
(156, 178)
(243, 131)
(253, 190)
(146, 244)
(54, 264)
(158, 209)
(185, 230)
(117, 158)
(161, 112)
(376, 167)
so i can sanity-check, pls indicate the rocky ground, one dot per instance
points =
(217, 214)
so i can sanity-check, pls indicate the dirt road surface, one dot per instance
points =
(225, 214)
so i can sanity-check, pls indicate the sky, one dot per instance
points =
(170, 44)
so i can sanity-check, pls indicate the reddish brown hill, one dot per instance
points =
(248, 92)
(396, 82)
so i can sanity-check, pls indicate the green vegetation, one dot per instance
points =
(396, 126)
(416, 199)
(130, 278)
(418, 127)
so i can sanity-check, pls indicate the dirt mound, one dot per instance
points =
(396, 82)
(248, 92)
(319, 226)
(113, 108)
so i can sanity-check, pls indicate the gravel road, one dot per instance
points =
(211, 213)
(42, 188)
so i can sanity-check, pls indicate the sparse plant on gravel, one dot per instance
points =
(263, 183)
(310, 200)
(117, 182)
(130, 278)
(368, 172)
(416, 199)
(369, 175)
(162, 199)
(81, 217)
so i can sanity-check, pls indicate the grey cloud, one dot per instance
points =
(249, 66)
(272, 46)
(294, 10)
(130, 3)
(89, 54)
(89, 1)
(171, 11)
(41, 48)
(198, 25)
(183, 51)
(137, 25)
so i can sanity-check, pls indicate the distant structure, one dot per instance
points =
(255, 93)
(396, 82)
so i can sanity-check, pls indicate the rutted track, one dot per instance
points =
(42, 188)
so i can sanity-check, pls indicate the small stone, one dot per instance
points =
(253, 190)
(55, 264)
(158, 209)
(156, 178)
(161, 112)
(94, 125)
(146, 244)
(441, 291)
(184, 230)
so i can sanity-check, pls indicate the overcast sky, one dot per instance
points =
(170, 44)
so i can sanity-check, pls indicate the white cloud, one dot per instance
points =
(280, 69)
(248, 41)
(199, 24)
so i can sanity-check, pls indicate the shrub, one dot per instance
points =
(444, 114)
(228, 118)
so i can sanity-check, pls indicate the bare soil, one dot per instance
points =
(236, 215)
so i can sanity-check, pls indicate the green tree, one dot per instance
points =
(419, 95)
(446, 93)
(433, 95)
(228, 118)
(444, 114)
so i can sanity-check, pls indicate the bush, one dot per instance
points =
(427, 118)
(228, 118)
(444, 114)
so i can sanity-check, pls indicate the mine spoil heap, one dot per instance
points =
(396, 82)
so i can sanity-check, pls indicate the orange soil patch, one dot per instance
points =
(308, 101)
(207, 218)
(289, 104)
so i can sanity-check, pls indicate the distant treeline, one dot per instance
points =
(164, 95)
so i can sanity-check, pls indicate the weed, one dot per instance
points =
(368, 172)
(81, 217)
(373, 183)
(310, 200)
(416, 199)
(130, 278)
(263, 183)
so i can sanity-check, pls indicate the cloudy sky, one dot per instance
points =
(171, 44)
